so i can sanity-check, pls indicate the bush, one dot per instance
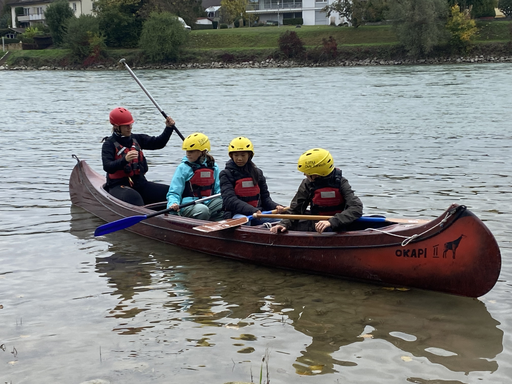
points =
(330, 47)
(163, 37)
(29, 34)
(291, 45)
(83, 37)
(294, 21)
(223, 26)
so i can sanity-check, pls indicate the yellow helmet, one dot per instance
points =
(196, 142)
(240, 144)
(316, 161)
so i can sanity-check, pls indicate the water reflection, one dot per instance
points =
(160, 287)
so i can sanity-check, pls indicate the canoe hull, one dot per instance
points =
(455, 253)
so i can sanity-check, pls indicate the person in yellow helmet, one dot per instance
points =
(325, 192)
(243, 186)
(196, 177)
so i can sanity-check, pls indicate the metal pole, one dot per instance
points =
(150, 97)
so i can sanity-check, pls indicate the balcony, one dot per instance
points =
(275, 5)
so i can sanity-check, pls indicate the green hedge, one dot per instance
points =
(294, 21)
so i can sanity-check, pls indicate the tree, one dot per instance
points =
(56, 15)
(419, 25)
(120, 21)
(233, 9)
(5, 19)
(478, 8)
(189, 10)
(162, 37)
(461, 27)
(351, 10)
(505, 6)
(83, 37)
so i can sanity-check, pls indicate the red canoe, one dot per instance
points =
(455, 253)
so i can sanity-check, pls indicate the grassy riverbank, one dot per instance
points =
(261, 43)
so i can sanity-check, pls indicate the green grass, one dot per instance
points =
(267, 37)
(494, 31)
(258, 43)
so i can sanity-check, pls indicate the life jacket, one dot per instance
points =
(202, 182)
(134, 167)
(326, 196)
(246, 191)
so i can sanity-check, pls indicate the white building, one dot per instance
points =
(309, 10)
(33, 11)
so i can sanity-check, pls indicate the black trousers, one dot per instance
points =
(140, 194)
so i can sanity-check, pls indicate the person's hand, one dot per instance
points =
(280, 209)
(175, 207)
(278, 228)
(322, 226)
(132, 155)
(169, 122)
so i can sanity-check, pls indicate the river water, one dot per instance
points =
(123, 309)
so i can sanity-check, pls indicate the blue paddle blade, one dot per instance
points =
(118, 225)
(372, 219)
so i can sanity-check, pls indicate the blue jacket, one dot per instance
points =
(181, 176)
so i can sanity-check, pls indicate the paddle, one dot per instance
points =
(132, 220)
(229, 223)
(373, 219)
(147, 93)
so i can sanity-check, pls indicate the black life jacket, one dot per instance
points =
(202, 182)
(326, 195)
(134, 167)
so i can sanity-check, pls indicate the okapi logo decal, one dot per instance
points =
(452, 246)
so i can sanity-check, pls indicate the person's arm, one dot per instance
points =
(177, 186)
(108, 157)
(298, 205)
(155, 142)
(229, 198)
(216, 177)
(267, 204)
(353, 207)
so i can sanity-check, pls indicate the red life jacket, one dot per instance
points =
(327, 198)
(246, 191)
(201, 184)
(134, 167)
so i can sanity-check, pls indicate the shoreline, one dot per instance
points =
(270, 63)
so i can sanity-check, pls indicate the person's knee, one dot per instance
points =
(199, 211)
(127, 195)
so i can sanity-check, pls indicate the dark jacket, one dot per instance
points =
(352, 211)
(231, 203)
(111, 164)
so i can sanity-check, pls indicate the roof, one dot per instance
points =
(213, 8)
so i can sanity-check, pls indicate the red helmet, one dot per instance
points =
(120, 116)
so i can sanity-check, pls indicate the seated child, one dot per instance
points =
(197, 176)
(326, 192)
(243, 186)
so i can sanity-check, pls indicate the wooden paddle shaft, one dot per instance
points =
(291, 217)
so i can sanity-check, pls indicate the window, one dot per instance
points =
(74, 6)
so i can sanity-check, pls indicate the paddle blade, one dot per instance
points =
(118, 225)
(221, 225)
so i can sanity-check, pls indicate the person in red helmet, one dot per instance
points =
(125, 163)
